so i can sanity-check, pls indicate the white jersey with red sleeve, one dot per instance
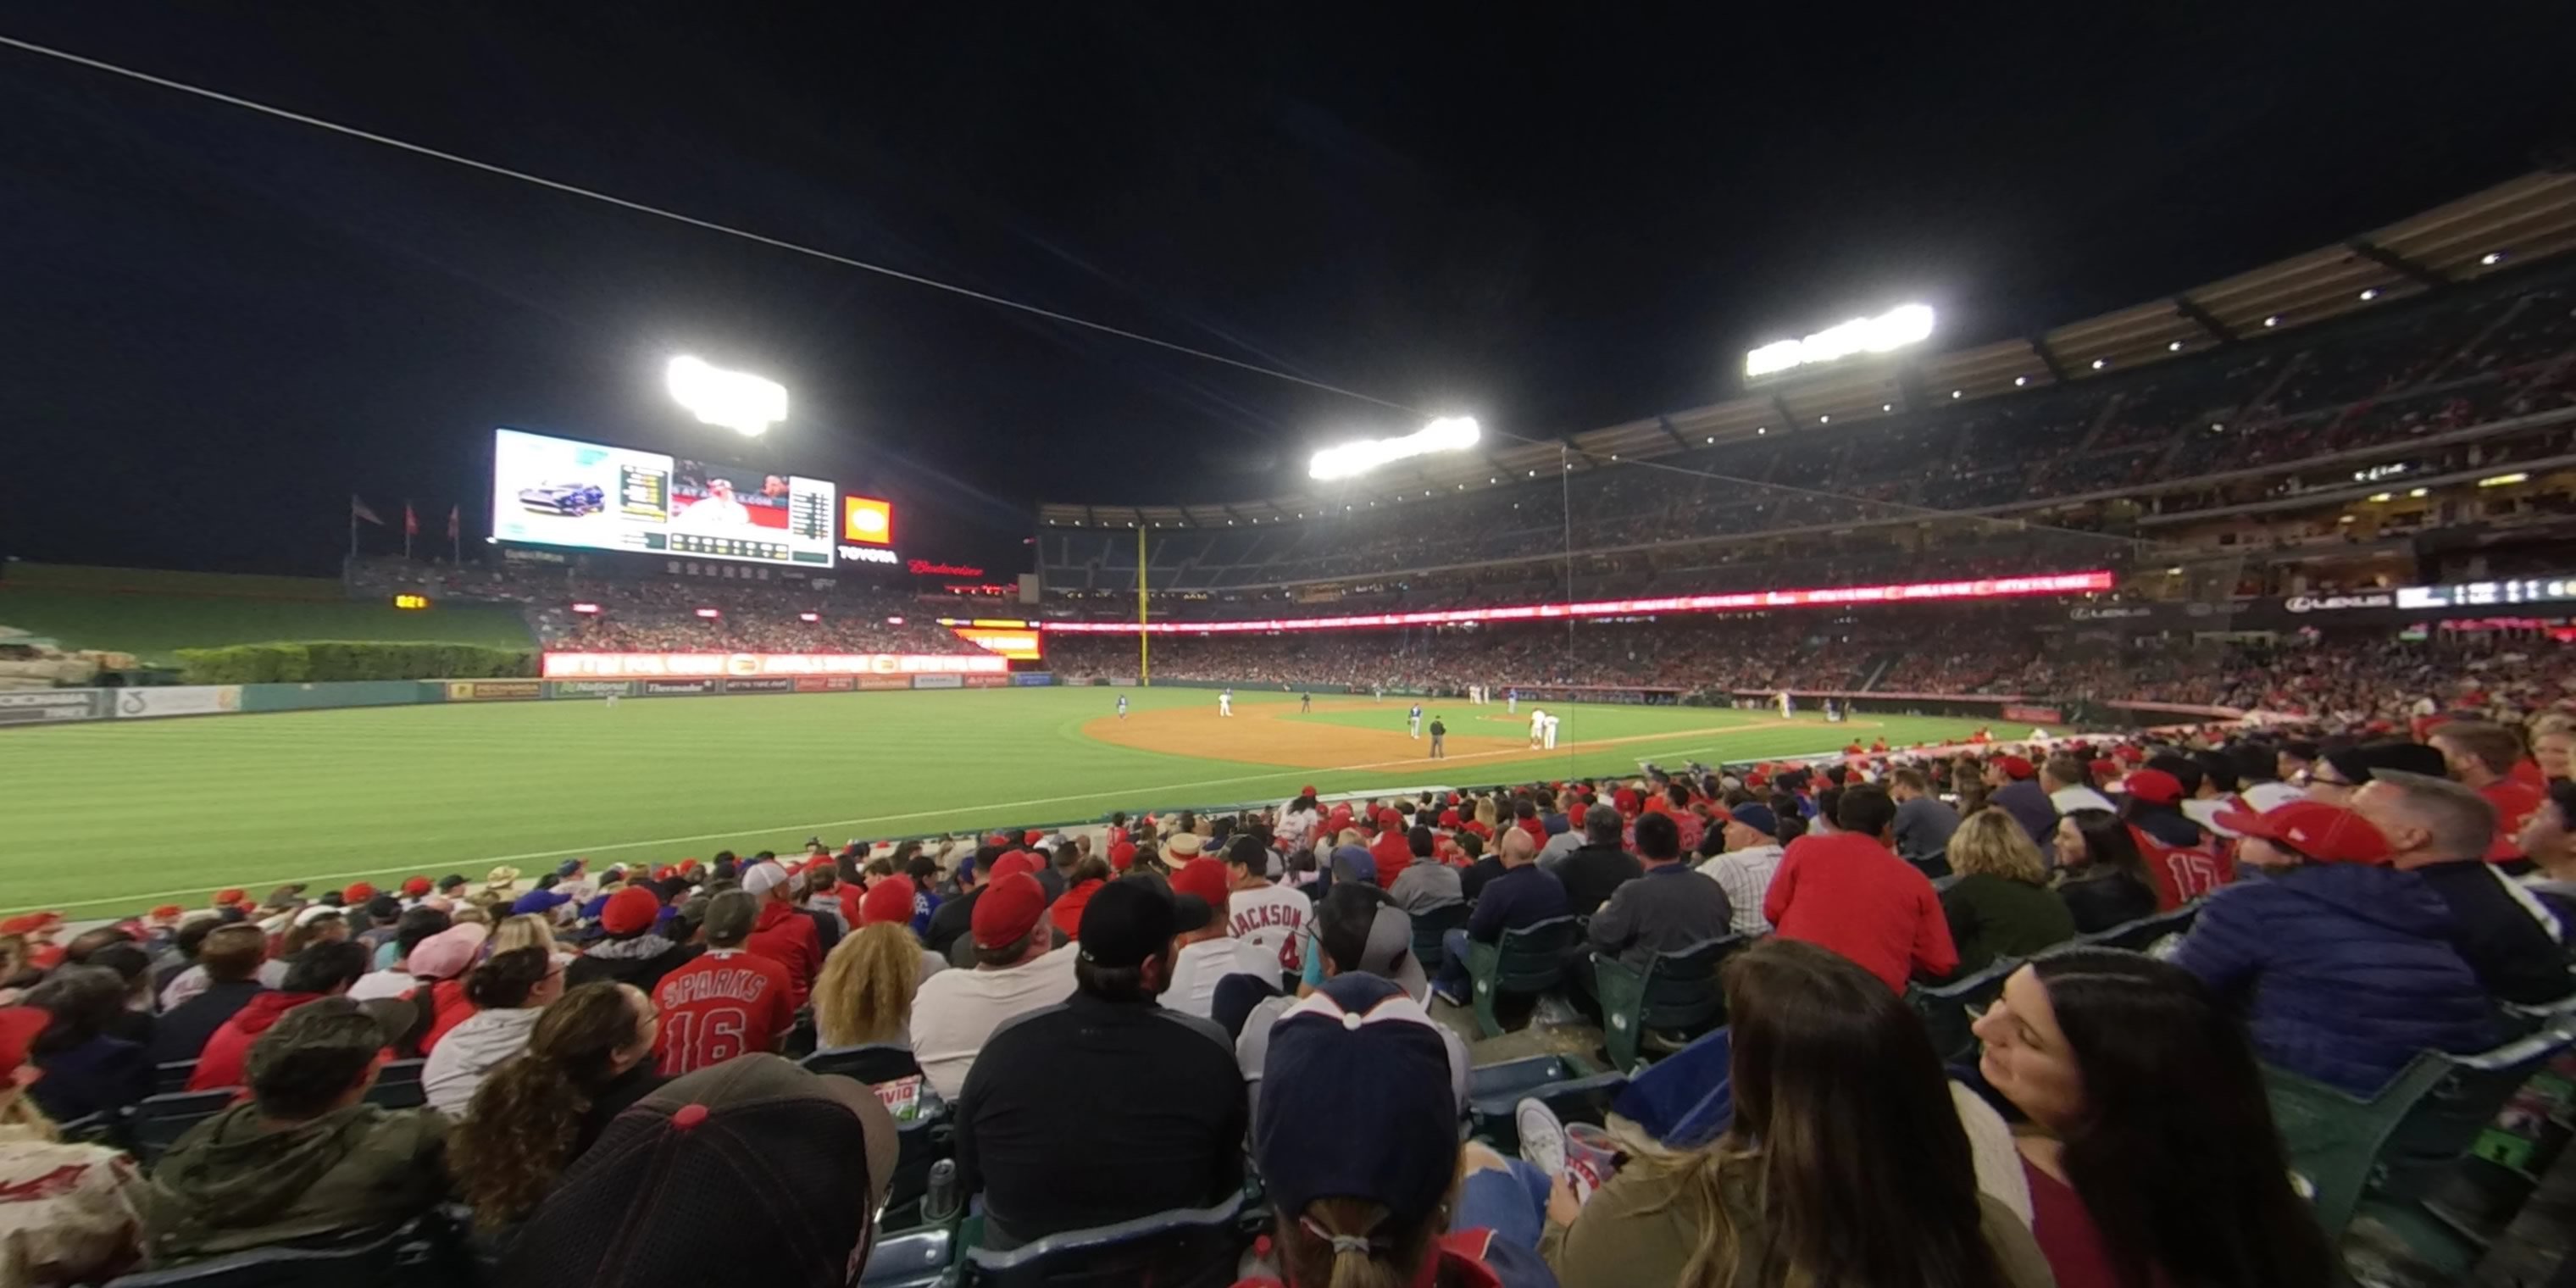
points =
(725, 1003)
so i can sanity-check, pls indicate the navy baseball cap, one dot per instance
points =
(1757, 817)
(1356, 1102)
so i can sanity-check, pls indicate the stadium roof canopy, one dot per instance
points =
(2526, 220)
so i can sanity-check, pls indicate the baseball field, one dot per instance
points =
(100, 819)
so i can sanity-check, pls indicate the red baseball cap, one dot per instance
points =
(887, 899)
(2325, 833)
(1205, 881)
(1032, 837)
(1017, 861)
(632, 910)
(226, 898)
(167, 912)
(1122, 853)
(2154, 786)
(415, 887)
(26, 924)
(19, 1028)
(358, 893)
(1008, 910)
(1307, 790)
(2015, 766)
(1449, 818)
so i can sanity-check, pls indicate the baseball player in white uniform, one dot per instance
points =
(1413, 722)
(1538, 725)
(1225, 702)
(1551, 733)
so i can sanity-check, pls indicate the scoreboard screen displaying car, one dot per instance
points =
(564, 492)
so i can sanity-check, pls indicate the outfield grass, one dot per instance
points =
(113, 817)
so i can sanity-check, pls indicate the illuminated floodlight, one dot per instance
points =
(1957, 392)
(1896, 328)
(2491, 258)
(2099, 363)
(2274, 320)
(2173, 346)
(2369, 293)
(1447, 434)
(2504, 480)
(2019, 381)
(2417, 492)
(737, 400)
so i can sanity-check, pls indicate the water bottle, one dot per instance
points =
(942, 1203)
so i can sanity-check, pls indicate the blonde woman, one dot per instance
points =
(528, 930)
(2553, 744)
(2001, 905)
(863, 999)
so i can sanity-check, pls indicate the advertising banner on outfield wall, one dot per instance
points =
(40, 706)
(590, 688)
(778, 684)
(939, 681)
(988, 681)
(1032, 679)
(179, 700)
(494, 690)
(883, 683)
(823, 684)
(2034, 715)
(567, 666)
(676, 688)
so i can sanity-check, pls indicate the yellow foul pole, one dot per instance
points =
(1144, 661)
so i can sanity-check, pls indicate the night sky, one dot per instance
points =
(214, 325)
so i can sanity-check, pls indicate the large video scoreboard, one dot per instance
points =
(591, 496)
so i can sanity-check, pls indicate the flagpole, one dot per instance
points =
(353, 529)
(411, 525)
(455, 536)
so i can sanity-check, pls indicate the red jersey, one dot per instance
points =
(2514, 801)
(725, 1003)
(1393, 854)
(2182, 873)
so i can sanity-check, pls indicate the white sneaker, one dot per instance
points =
(1542, 1136)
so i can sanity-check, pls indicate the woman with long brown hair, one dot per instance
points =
(1845, 1165)
(2151, 1152)
(588, 1058)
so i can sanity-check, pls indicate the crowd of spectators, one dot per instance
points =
(2155, 438)
(757, 610)
(1211, 990)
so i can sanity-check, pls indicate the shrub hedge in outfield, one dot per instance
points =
(320, 660)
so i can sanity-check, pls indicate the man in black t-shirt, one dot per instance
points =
(1150, 1101)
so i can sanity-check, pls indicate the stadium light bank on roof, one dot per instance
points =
(2064, 583)
(1896, 328)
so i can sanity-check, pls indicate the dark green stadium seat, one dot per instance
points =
(1676, 993)
(1428, 929)
(1185, 1248)
(157, 1122)
(2386, 1155)
(2140, 935)
(1946, 1008)
(1528, 960)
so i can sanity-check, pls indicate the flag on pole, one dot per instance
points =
(455, 526)
(358, 510)
(411, 521)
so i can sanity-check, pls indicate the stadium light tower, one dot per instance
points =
(1350, 460)
(737, 400)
